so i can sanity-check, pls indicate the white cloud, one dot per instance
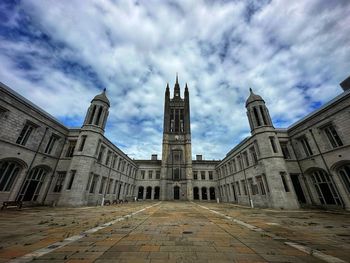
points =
(293, 54)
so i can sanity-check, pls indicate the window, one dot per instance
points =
(252, 186)
(100, 155)
(176, 173)
(110, 183)
(345, 176)
(238, 188)
(143, 174)
(120, 163)
(3, 111)
(203, 175)
(82, 142)
(150, 174)
(244, 187)
(114, 161)
(97, 121)
(263, 115)
(102, 185)
(261, 185)
(176, 157)
(70, 149)
(157, 174)
(306, 146)
(59, 182)
(284, 181)
(51, 144)
(88, 182)
(108, 157)
(211, 175)
(234, 165)
(93, 183)
(245, 158)
(72, 175)
(253, 154)
(195, 175)
(285, 150)
(333, 136)
(256, 116)
(239, 162)
(115, 186)
(8, 173)
(230, 166)
(265, 181)
(25, 133)
(273, 144)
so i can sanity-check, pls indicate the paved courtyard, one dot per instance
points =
(173, 232)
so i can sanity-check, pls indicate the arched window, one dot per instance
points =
(325, 189)
(98, 116)
(8, 173)
(92, 114)
(32, 186)
(263, 115)
(256, 115)
(344, 173)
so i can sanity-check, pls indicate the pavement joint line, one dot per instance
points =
(45, 250)
(313, 252)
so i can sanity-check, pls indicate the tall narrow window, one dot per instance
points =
(8, 174)
(93, 184)
(195, 175)
(333, 136)
(102, 185)
(89, 182)
(244, 186)
(203, 175)
(70, 149)
(246, 159)
(82, 143)
(92, 114)
(176, 173)
(110, 183)
(284, 181)
(99, 113)
(306, 146)
(285, 150)
(50, 145)
(71, 180)
(143, 174)
(263, 115)
(253, 155)
(265, 181)
(25, 133)
(345, 175)
(211, 175)
(238, 188)
(59, 182)
(108, 157)
(261, 185)
(234, 165)
(256, 115)
(150, 174)
(100, 154)
(273, 144)
(157, 174)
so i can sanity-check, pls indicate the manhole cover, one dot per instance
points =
(187, 232)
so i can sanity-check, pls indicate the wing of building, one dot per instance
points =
(44, 162)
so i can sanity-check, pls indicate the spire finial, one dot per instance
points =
(104, 90)
(250, 89)
(186, 86)
(177, 78)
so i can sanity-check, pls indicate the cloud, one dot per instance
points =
(60, 54)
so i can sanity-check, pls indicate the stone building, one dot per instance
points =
(306, 164)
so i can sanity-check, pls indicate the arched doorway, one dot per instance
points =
(140, 193)
(8, 173)
(176, 192)
(149, 192)
(196, 193)
(156, 192)
(212, 193)
(204, 193)
(324, 187)
(32, 186)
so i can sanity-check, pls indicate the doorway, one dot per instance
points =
(32, 186)
(297, 187)
(195, 193)
(325, 188)
(176, 193)
(140, 193)
(204, 193)
(212, 193)
(156, 192)
(148, 192)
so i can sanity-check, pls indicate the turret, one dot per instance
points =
(257, 112)
(166, 109)
(97, 113)
(187, 111)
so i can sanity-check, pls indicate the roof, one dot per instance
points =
(102, 97)
(253, 97)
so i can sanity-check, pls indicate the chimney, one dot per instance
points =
(154, 157)
(198, 157)
(345, 84)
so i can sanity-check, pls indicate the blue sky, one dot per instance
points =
(60, 54)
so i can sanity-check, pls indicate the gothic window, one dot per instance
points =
(273, 144)
(333, 136)
(285, 150)
(25, 133)
(82, 142)
(8, 173)
(176, 173)
(59, 182)
(70, 149)
(306, 146)
(50, 145)
(32, 186)
(344, 173)
(71, 180)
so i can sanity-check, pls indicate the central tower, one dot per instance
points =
(176, 172)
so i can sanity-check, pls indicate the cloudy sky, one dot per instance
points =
(60, 54)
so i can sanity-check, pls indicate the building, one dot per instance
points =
(44, 162)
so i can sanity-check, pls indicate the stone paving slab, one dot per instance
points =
(171, 232)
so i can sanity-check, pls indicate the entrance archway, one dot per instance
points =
(140, 192)
(196, 193)
(204, 193)
(156, 192)
(212, 193)
(148, 192)
(176, 193)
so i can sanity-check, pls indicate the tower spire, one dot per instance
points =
(177, 78)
